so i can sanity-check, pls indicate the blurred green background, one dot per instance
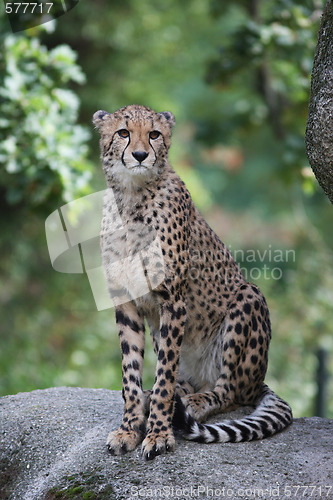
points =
(236, 75)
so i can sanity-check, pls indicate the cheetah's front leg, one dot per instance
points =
(159, 437)
(132, 340)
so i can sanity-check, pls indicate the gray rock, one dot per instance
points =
(52, 445)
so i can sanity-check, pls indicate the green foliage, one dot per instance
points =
(42, 149)
(44, 162)
(302, 322)
(271, 48)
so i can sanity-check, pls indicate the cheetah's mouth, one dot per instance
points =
(138, 169)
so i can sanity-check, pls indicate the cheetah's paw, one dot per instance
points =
(121, 441)
(197, 406)
(156, 444)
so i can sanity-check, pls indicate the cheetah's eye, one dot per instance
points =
(123, 133)
(154, 134)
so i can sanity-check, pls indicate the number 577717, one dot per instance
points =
(28, 8)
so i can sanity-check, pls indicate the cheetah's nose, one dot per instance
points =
(140, 155)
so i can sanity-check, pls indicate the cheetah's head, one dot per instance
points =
(134, 142)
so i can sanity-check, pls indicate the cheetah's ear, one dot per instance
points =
(169, 116)
(100, 117)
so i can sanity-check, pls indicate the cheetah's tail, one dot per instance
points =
(272, 415)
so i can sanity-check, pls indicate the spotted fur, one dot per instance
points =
(210, 328)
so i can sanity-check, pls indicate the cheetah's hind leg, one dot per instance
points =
(204, 404)
(243, 355)
(182, 389)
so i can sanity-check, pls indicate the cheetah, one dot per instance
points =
(210, 328)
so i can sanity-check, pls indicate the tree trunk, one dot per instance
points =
(319, 130)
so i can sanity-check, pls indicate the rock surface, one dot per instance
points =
(52, 445)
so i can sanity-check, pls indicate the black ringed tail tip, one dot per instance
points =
(271, 416)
